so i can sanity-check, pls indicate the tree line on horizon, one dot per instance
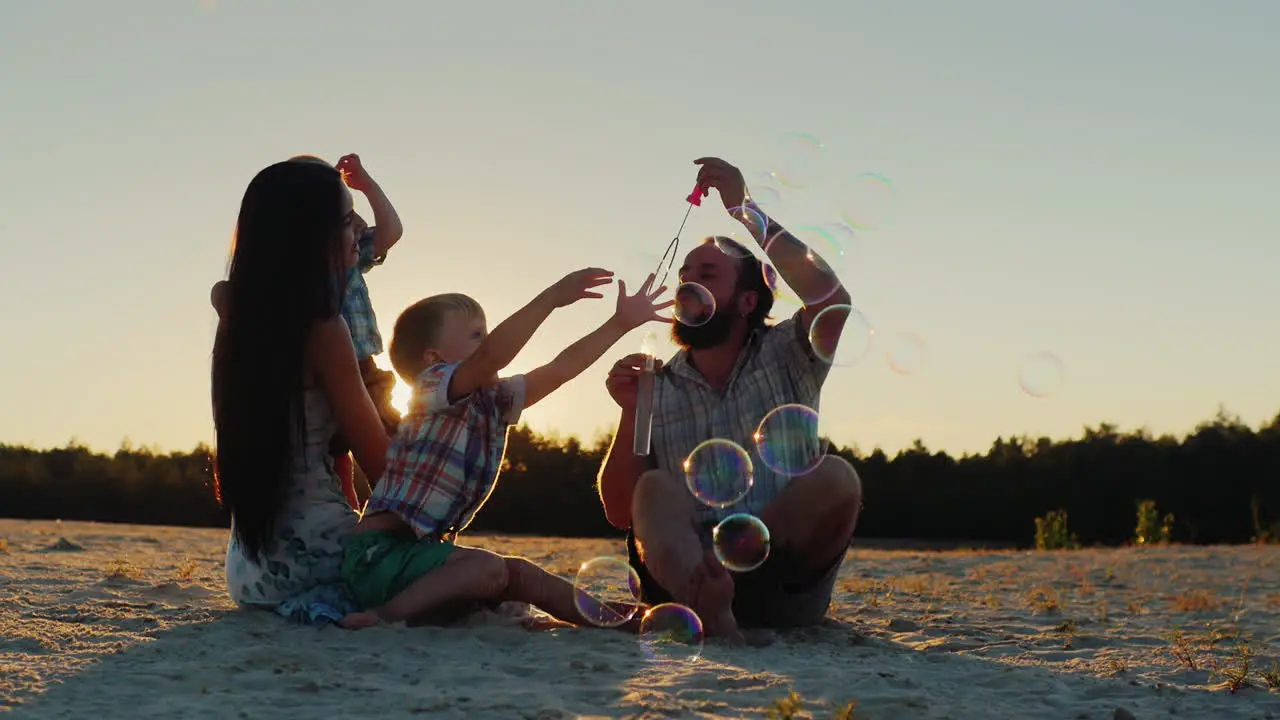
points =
(1220, 483)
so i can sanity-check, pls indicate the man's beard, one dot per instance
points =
(707, 335)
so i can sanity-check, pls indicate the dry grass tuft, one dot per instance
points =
(1115, 666)
(1044, 599)
(1197, 600)
(4, 545)
(1271, 676)
(185, 570)
(794, 707)
(1236, 669)
(121, 569)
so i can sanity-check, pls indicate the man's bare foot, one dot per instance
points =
(711, 595)
(360, 620)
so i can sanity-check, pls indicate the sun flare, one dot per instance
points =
(402, 392)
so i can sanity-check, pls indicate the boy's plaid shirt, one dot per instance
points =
(445, 458)
(357, 308)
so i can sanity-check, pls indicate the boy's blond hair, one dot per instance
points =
(417, 330)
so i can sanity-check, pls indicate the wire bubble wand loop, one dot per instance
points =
(644, 390)
(673, 248)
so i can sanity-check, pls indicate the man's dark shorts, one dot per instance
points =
(769, 596)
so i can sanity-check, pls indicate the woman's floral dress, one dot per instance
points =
(300, 576)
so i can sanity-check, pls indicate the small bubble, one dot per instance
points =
(1041, 374)
(719, 472)
(741, 542)
(840, 335)
(671, 632)
(787, 440)
(867, 201)
(694, 304)
(607, 591)
(798, 158)
(907, 353)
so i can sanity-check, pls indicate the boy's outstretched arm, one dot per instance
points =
(387, 227)
(632, 312)
(510, 336)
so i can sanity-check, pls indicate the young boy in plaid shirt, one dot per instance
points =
(400, 562)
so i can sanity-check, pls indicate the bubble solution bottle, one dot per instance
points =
(644, 399)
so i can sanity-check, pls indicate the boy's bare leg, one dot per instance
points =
(531, 584)
(526, 582)
(468, 574)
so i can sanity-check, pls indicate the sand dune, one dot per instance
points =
(131, 621)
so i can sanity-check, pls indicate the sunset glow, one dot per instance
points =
(403, 392)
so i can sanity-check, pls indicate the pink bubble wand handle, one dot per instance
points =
(695, 197)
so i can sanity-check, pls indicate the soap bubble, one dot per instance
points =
(907, 353)
(867, 201)
(798, 157)
(1042, 374)
(787, 440)
(672, 633)
(607, 591)
(719, 472)
(840, 335)
(694, 304)
(741, 542)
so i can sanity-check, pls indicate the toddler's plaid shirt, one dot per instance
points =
(357, 308)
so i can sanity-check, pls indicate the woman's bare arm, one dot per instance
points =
(332, 358)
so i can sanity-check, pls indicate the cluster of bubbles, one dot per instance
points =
(719, 472)
(864, 201)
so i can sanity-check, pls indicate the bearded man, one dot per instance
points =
(729, 373)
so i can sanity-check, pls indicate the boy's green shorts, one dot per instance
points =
(376, 565)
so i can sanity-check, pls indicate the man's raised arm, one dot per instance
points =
(803, 269)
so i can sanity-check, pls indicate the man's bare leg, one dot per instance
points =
(468, 574)
(816, 514)
(666, 531)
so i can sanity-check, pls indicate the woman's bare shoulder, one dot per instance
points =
(328, 344)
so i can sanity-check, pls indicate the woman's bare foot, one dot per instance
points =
(711, 591)
(360, 620)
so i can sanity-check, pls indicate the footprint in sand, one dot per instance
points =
(171, 590)
(96, 593)
(63, 545)
(902, 625)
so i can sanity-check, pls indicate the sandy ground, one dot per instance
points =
(132, 621)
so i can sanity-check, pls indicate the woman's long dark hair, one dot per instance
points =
(285, 276)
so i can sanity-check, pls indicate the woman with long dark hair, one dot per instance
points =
(285, 379)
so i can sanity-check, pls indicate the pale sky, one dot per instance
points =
(1092, 178)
